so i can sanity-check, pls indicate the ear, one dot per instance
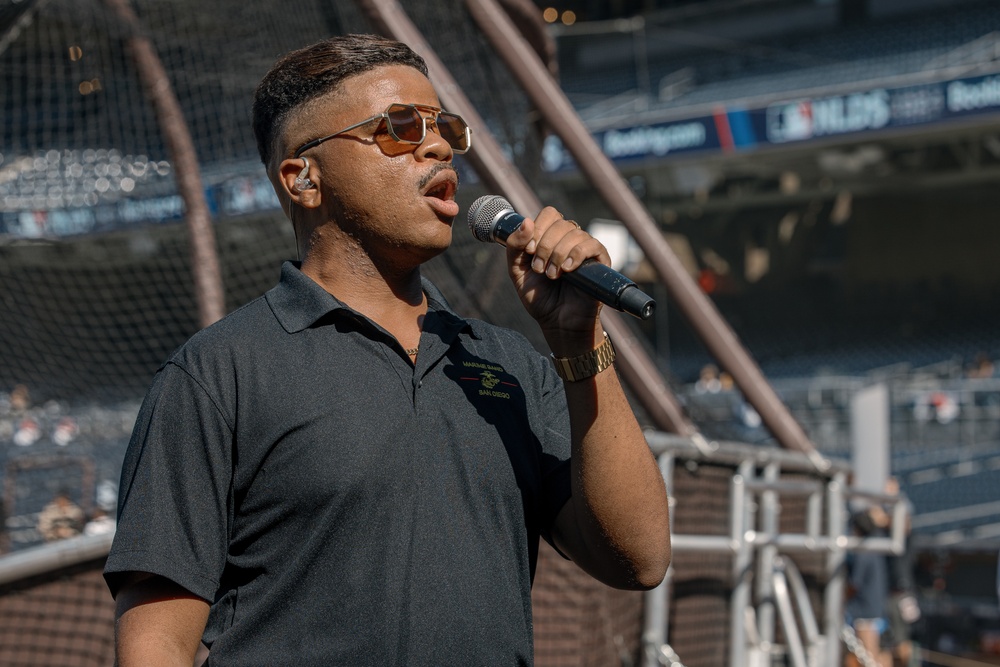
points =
(300, 180)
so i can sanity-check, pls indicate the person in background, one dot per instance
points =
(100, 524)
(902, 607)
(868, 590)
(60, 519)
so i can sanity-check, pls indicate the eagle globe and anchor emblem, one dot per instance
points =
(489, 380)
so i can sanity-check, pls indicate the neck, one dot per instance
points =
(389, 296)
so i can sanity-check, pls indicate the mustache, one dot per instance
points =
(437, 169)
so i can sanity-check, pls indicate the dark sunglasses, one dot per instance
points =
(407, 125)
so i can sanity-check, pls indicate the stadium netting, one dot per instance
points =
(95, 272)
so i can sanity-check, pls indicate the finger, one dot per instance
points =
(575, 249)
(558, 246)
(550, 226)
(571, 251)
(523, 239)
(542, 223)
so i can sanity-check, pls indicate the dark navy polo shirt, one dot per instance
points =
(337, 504)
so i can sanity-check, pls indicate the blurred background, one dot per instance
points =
(825, 170)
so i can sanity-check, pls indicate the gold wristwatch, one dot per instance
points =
(574, 369)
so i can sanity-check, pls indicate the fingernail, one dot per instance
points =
(552, 271)
(568, 264)
(530, 248)
(537, 265)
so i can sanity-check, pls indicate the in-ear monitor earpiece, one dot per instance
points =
(302, 181)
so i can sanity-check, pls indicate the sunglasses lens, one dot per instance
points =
(406, 124)
(453, 130)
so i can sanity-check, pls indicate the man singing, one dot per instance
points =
(347, 472)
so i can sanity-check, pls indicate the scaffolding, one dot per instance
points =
(772, 614)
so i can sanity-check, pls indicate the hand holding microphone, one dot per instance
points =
(492, 218)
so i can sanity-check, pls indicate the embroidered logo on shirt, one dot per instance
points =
(488, 380)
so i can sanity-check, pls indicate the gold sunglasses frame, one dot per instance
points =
(388, 124)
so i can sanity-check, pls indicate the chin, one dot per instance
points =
(430, 247)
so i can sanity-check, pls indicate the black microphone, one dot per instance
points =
(492, 218)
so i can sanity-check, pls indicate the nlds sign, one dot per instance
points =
(809, 119)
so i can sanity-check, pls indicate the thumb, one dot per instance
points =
(523, 238)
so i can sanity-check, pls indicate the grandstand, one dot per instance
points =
(825, 169)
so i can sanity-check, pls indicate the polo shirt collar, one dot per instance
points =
(298, 302)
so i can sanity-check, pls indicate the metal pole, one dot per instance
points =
(740, 522)
(787, 615)
(766, 555)
(814, 513)
(489, 161)
(204, 257)
(801, 594)
(833, 593)
(656, 603)
(699, 310)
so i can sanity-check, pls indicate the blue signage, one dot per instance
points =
(794, 120)
(237, 196)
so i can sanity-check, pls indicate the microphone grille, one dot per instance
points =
(483, 212)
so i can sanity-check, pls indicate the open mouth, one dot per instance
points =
(440, 193)
(442, 187)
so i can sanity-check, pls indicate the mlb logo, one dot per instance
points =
(790, 121)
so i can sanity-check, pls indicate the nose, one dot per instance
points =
(433, 147)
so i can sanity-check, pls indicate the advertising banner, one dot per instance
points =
(796, 120)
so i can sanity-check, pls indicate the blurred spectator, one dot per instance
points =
(868, 590)
(107, 495)
(28, 432)
(937, 405)
(902, 608)
(99, 524)
(20, 399)
(66, 430)
(945, 407)
(982, 367)
(726, 382)
(708, 380)
(60, 519)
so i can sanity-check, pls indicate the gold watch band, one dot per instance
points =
(574, 369)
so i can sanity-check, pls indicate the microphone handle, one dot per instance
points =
(610, 287)
(592, 278)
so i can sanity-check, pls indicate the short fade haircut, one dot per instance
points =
(311, 72)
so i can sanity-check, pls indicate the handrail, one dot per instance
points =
(45, 558)
(733, 453)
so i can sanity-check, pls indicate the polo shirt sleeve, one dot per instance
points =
(174, 508)
(554, 434)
